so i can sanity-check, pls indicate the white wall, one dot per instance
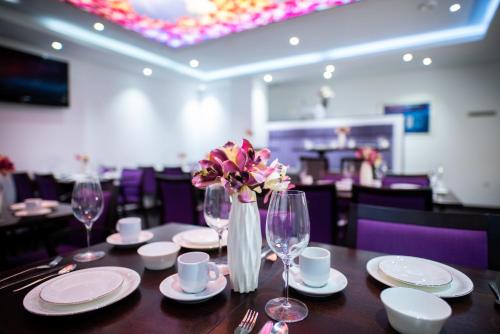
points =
(466, 147)
(122, 118)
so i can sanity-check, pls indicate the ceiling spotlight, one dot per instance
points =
(427, 61)
(147, 71)
(57, 45)
(194, 63)
(327, 75)
(294, 40)
(98, 26)
(13, 1)
(330, 68)
(455, 7)
(407, 57)
(268, 78)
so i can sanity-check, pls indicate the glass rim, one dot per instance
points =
(291, 192)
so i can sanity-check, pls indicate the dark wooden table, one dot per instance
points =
(357, 309)
(9, 221)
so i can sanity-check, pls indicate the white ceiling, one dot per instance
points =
(363, 22)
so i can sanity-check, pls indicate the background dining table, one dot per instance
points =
(357, 309)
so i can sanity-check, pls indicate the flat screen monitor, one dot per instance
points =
(32, 79)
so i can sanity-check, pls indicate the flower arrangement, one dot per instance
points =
(242, 171)
(343, 130)
(83, 158)
(6, 165)
(370, 154)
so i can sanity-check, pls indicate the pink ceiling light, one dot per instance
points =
(184, 22)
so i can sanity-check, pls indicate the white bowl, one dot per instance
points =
(159, 255)
(413, 311)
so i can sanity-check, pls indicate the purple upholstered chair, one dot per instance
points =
(73, 237)
(24, 186)
(322, 205)
(459, 238)
(173, 171)
(419, 180)
(131, 187)
(416, 199)
(47, 186)
(178, 199)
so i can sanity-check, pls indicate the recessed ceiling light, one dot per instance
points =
(427, 61)
(147, 71)
(455, 7)
(98, 26)
(427, 5)
(294, 40)
(194, 63)
(57, 45)
(327, 75)
(268, 78)
(330, 68)
(13, 1)
(407, 57)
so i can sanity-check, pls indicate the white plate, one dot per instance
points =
(39, 212)
(336, 283)
(34, 304)
(182, 239)
(461, 285)
(116, 240)
(81, 287)
(46, 204)
(171, 288)
(415, 271)
(404, 186)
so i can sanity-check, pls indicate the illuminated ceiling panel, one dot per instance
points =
(178, 23)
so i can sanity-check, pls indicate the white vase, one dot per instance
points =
(366, 174)
(244, 245)
(341, 140)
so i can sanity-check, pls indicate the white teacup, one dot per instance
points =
(32, 204)
(129, 228)
(194, 269)
(315, 266)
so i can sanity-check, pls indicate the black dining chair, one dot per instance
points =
(24, 186)
(417, 199)
(459, 238)
(47, 186)
(316, 167)
(178, 200)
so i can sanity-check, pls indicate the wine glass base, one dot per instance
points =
(277, 309)
(88, 256)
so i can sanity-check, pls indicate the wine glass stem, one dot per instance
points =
(286, 262)
(220, 242)
(88, 228)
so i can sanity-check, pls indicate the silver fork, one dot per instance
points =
(49, 265)
(247, 323)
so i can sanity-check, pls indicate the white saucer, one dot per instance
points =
(116, 240)
(170, 287)
(404, 186)
(34, 304)
(39, 212)
(185, 239)
(336, 283)
(415, 271)
(46, 204)
(81, 287)
(461, 285)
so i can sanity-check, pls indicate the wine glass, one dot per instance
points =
(348, 169)
(87, 205)
(287, 233)
(216, 209)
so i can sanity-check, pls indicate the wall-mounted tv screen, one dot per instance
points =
(31, 79)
